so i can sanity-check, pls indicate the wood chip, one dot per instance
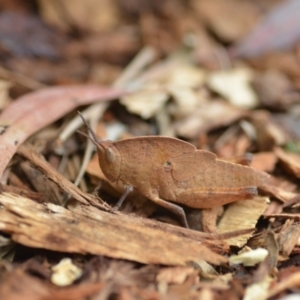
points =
(89, 230)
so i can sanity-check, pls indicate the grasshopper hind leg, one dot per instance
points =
(175, 209)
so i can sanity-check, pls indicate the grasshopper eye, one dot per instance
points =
(110, 155)
(109, 160)
(167, 165)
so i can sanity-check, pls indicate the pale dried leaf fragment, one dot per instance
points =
(249, 258)
(207, 294)
(186, 100)
(175, 275)
(258, 291)
(206, 270)
(182, 85)
(207, 116)
(65, 272)
(186, 75)
(224, 280)
(178, 81)
(242, 215)
(147, 101)
(234, 85)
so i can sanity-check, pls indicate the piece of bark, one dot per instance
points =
(288, 238)
(23, 192)
(86, 229)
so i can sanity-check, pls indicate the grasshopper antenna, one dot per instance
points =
(88, 137)
(95, 139)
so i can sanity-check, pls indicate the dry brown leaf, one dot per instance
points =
(230, 20)
(275, 90)
(4, 93)
(277, 192)
(269, 35)
(292, 281)
(264, 161)
(91, 15)
(30, 113)
(268, 134)
(290, 161)
(19, 285)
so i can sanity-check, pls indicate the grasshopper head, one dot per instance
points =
(109, 160)
(109, 155)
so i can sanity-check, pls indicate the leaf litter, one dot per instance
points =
(197, 71)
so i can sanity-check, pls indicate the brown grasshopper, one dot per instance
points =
(168, 171)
